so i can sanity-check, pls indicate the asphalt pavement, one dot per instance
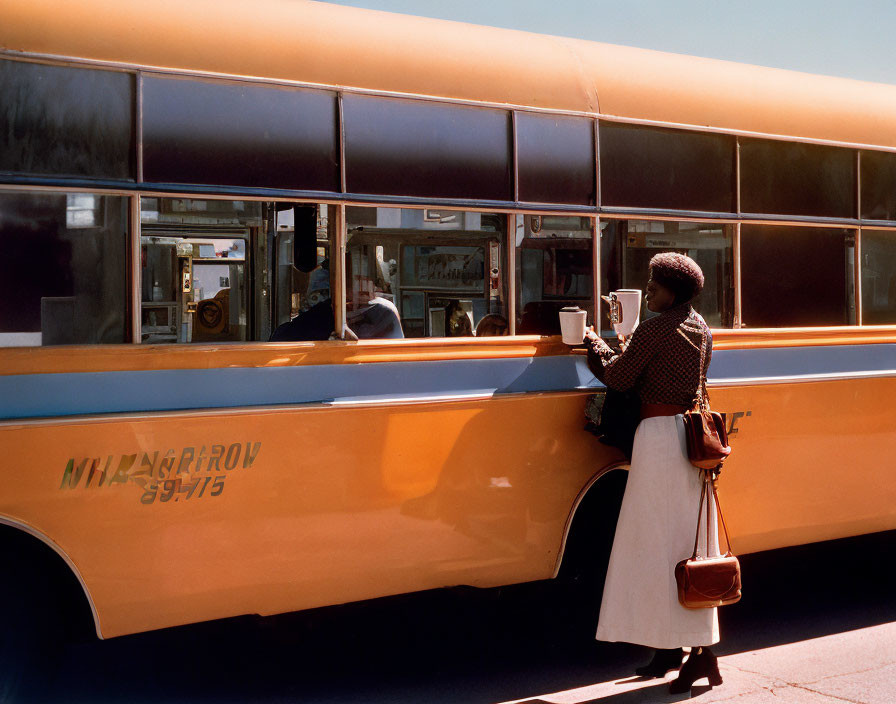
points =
(817, 624)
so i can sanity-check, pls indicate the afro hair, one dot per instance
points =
(679, 273)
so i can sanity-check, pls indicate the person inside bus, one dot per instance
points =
(369, 315)
(492, 325)
(457, 322)
(316, 322)
(662, 364)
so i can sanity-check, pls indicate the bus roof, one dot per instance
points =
(333, 45)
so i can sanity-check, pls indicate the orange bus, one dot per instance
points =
(176, 186)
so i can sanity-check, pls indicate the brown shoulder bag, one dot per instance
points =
(707, 582)
(705, 433)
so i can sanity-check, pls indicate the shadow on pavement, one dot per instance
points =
(811, 591)
(462, 645)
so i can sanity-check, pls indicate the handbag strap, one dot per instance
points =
(709, 479)
(699, 515)
(715, 494)
(702, 396)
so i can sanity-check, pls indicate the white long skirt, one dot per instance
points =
(655, 531)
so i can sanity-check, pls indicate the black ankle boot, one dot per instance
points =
(699, 664)
(663, 661)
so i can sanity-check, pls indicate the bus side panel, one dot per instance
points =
(809, 461)
(178, 518)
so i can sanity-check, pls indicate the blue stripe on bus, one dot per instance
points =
(41, 395)
(46, 395)
(798, 361)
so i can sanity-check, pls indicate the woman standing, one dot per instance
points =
(662, 363)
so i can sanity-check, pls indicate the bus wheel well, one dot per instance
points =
(575, 594)
(31, 564)
(589, 539)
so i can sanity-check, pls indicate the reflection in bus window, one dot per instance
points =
(878, 277)
(205, 261)
(63, 269)
(194, 256)
(797, 276)
(302, 307)
(555, 268)
(429, 272)
(628, 245)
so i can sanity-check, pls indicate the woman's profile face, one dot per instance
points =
(658, 298)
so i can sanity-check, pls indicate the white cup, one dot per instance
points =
(625, 310)
(572, 325)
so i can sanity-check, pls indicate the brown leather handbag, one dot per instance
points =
(705, 433)
(707, 582)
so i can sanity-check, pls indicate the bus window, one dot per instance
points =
(797, 276)
(204, 261)
(302, 308)
(63, 269)
(878, 277)
(628, 245)
(878, 185)
(555, 158)
(195, 257)
(67, 121)
(797, 179)
(555, 268)
(652, 167)
(428, 149)
(238, 134)
(423, 273)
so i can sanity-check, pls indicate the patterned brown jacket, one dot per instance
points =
(661, 360)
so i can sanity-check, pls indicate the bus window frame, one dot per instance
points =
(508, 277)
(132, 253)
(513, 247)
(338, 244)
(339, 200)
(139, 71)
(510, 262)
(135, 280)
(891, 228)
(856, 273)
(735, 255)
(136, 242)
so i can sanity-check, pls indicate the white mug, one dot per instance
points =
(625, 310)
(572, 325)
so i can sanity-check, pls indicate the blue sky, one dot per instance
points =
(851, 39)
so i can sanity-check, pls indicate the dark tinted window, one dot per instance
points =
(796, 276)
(647, 167)
(796, 179)
(878, 186)
(63, 266)
(555, 156)
(420, 148)
(239, 134)
(66, 121)
(878, 277)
